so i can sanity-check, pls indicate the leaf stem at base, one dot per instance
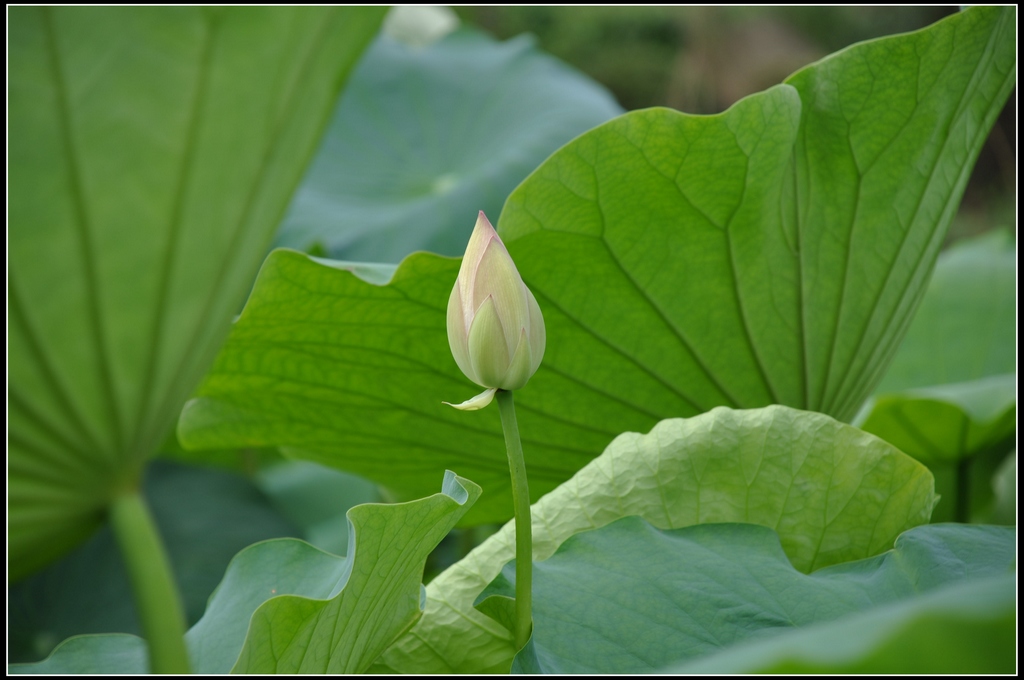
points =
(962, 511)
(156, 594)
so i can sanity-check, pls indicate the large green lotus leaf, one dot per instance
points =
(245, 461)
(629, 598)
(152, 152)
(205, 517)
(716, 261)
(331, 366)
(350, 371)
(427, 136)
(967, 627)
(832, 492)
(285, 606)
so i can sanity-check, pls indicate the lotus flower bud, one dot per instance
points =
(495, 328)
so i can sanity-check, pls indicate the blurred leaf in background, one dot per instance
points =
(224, 513)
(696, 59)
(316, 499)
(427, 134)
(950, 396)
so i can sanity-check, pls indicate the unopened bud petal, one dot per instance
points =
(495, 327)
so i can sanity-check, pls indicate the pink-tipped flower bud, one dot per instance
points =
(495, 328)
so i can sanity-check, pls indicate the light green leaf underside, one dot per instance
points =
(965, 628)
(628, 598)
(427, 136)
(832, 492)
(152, 152)
(774, 253)
(285, 606)
(351, 374)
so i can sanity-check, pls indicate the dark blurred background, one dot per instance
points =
(703, 59)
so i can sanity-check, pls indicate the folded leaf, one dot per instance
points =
(285, 606)
(377, 596)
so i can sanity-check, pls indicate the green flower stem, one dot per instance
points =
(156, 595)
(962, 510)
(524, 528)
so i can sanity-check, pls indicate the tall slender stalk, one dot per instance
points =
(524, 527)
(962, 509)
(156, 595)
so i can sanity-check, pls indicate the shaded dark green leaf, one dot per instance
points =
(205, 517)
(629, 598)
(152, 152)
(286, 606)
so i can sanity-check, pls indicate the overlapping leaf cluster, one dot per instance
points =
(735, 286)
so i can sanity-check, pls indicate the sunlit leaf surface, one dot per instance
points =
(681, 262)
(773, 253)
